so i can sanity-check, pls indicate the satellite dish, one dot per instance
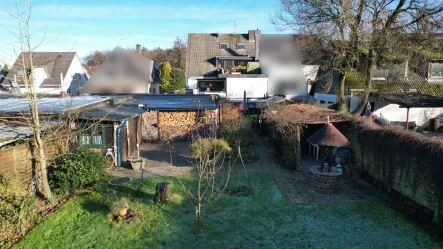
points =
(14, 84)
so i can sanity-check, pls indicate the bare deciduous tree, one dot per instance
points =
(356, 34)
(22, 14)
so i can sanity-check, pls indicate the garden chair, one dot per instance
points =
(315, 150)
(107, 192)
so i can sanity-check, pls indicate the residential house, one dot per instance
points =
(124, 71)
(259, 64)
(54, 72)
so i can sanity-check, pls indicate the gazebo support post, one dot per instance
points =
(298, 149)
(407, 118)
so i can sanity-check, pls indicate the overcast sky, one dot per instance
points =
(87, 25)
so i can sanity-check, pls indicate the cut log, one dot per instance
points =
(162, 192)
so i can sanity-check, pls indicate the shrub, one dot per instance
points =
(230, 112)
(236, 131)
(204, 148)
(77, 170)
(17, 209)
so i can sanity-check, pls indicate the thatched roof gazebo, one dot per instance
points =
(328, 135)
(327, 138)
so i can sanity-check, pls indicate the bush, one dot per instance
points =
(77, 170)
(17, 209)
(205, 148)
(236, 131)
(230, 112)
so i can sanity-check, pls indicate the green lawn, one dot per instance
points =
(264, 221)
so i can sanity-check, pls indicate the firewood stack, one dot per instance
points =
(177, 124)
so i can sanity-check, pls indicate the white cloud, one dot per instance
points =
(190, 12)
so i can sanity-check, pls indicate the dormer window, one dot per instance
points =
(379, 74)
(436, 70)
(223, 45)
(241, 46)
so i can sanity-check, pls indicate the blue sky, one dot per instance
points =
(86, 25)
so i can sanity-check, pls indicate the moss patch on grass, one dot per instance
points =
(265, 220)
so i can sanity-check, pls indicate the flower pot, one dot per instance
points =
(123, 212)
(137, 164)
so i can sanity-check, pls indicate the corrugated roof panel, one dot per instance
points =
(111, 113)
(49, 105)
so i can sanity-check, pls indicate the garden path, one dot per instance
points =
(295, 185)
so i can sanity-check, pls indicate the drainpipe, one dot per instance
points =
(118, 143)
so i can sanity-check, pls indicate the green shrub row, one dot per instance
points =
(236, 131)
(77, 170)
(18, 208)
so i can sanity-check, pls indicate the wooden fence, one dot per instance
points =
(18, 161)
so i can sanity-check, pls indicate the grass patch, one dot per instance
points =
(249, 156)
(265, 220)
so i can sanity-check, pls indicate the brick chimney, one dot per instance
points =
(138, 48)
(257, 44)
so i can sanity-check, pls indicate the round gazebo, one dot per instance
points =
(328, 137)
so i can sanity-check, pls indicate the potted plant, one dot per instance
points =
(137, 164)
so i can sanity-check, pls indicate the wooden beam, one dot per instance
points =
(158, 125)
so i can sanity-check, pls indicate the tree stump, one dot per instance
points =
(162, 192)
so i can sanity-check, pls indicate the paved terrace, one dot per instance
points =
(296, 186)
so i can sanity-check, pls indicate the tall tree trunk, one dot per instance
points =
(30, 88)
(43, 165)
(341, 93)
(368, 83)
(198, 212)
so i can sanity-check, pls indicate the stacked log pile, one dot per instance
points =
(149, 128)
(177, 124)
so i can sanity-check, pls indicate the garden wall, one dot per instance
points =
(403, 162)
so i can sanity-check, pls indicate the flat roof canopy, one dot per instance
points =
(175, 101)
(411, 100)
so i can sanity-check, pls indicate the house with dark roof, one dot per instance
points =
(230, 64)
(54, 72)
(124, 71)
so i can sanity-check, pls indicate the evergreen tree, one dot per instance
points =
(5, 70)
(165, 77)
(178, 81)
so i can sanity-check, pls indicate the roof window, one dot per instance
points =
(241, 46)
(223, 45)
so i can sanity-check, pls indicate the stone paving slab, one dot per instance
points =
(297, 186)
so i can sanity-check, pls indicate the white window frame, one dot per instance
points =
(430, 76)
(241, 44)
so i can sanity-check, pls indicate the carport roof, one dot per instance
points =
(175, 101)
(111, 113)
(411, 100)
